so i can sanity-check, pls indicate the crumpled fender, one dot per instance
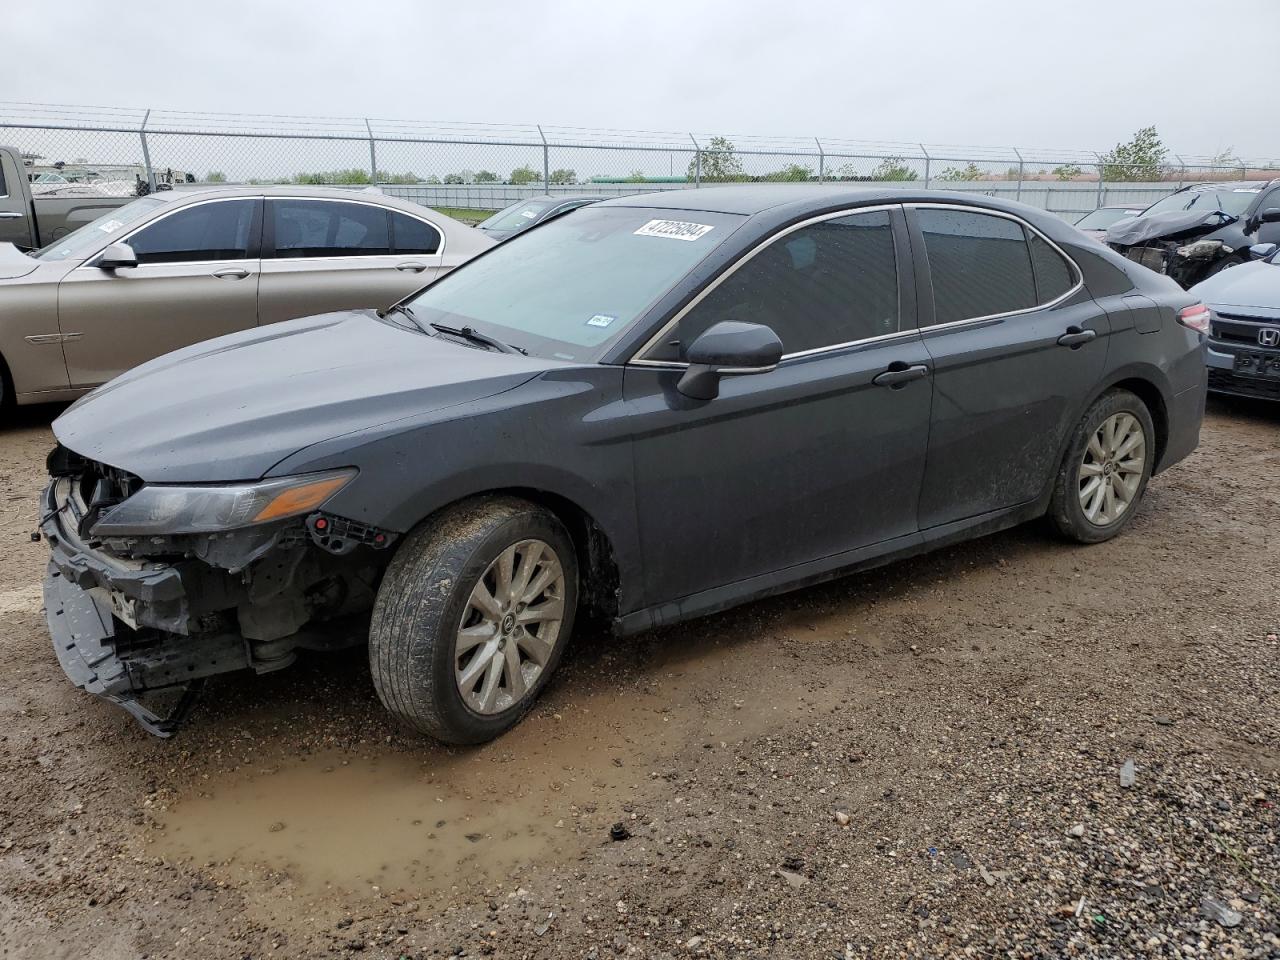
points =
(1139, 229)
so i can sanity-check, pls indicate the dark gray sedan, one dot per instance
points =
(523, 214)
(650, 409)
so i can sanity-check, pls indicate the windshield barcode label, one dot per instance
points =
(674, 229)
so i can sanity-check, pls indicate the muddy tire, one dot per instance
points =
(1106, 469)
(472, 618)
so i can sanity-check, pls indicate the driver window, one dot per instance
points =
(829, 283)
(208, 231)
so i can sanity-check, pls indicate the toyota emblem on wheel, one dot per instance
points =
(1269, 336)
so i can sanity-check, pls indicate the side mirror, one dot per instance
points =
(1260, 251)
(1269, 215)
(729, 348)
(118, 256)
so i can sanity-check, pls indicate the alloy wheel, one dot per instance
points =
(1112, 468)
(509, 627)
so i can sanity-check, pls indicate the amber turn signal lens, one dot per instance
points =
(301, 499)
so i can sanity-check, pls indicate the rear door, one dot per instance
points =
(823, 455)
(322, 255)
(1016, 344)
(15, 225)
(196, 278)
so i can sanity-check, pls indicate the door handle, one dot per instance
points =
(231, 273)
(899, 374)
(9, 215)
(411, 267)
(1076, 337)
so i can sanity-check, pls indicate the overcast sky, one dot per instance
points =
(1081, 74)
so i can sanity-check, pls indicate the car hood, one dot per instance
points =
(1172, 226)
(14, 263)
(232, 408)
(1255, 284)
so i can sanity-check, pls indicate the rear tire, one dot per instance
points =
(472, 618)
(1105, 472)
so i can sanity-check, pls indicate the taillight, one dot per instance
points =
(1196, 317)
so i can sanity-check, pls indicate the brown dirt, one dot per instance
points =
(969, 712)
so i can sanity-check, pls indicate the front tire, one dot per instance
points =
(1106, 469)
(472, 618)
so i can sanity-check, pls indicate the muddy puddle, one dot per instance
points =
(427, 819)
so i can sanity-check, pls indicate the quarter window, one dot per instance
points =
(980, 264)
(329, 228)
(208, 231)
(1054, 276)
(412, 235)
(828, 283)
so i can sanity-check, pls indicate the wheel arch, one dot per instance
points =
(600, 587)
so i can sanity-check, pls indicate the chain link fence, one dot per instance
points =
(483, 167)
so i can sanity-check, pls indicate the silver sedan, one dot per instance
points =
(172, 269)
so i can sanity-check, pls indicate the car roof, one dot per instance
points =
(1225, 185)
(372, 195)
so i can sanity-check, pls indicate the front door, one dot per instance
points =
(322, 255)
(811, 460)
(1015, 342)
(15, 223)
(196, 278)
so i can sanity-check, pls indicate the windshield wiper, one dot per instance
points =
(408, 314)
(475, 336)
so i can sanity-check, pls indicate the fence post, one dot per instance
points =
(146, 153)
(1018, 154)
(546, 161)
(822, 161)
(697, 162)
(1182, 170)
(1101, 174)
(927, 160)
(373, 154)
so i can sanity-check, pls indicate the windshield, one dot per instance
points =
(577, 281)
(1104, 217)
(80, 243)
(518, 215)
(1232, 201)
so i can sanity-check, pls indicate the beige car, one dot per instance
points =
(182, 266)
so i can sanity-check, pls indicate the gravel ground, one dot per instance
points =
(1012, 747)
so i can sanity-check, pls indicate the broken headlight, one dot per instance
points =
(164, 510)
(1202, 249)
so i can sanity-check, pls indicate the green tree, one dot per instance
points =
(563, 177)
(791, 173)
(453, 178)
(431, 178)
(215, 176)
(352, 175)
(1141, 159)
(1226, 158)
(486, 176)
(893, 168)
(969, 171)
(1067, 171)
(523, 175)
(719, 162)
(636, 176)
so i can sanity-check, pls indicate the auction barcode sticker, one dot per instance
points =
(674, 229)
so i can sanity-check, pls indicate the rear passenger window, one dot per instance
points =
(411, 235)
(829, 283)
(329, 228)
(980, 264)
(1054, 276)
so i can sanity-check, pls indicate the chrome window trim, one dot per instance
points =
(368, 203)
(178, 207)
(1048, 304)
(637, 357)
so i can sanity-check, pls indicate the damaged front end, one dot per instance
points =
(1183, 246)
(157, 587)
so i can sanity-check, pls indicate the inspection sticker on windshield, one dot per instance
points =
(674, 229)
(110, 226)
(601, 320)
